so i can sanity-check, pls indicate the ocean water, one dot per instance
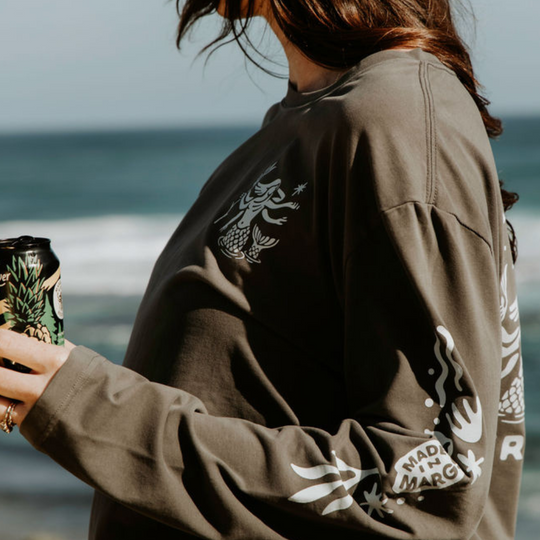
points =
(110, 201)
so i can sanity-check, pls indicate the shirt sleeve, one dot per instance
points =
(412, 461)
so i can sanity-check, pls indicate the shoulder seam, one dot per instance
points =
(431, 134)
(378, 219)
(458, 219)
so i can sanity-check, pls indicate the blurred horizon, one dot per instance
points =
(225, 125)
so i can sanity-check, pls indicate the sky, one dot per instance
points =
(114, 64)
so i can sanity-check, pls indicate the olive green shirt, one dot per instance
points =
(329, 344)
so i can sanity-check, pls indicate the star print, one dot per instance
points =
(376, 501)
(473, 465)
(299, 189)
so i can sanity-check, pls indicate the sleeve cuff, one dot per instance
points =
(42, 417)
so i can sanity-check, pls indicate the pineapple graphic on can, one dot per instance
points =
(30, 291)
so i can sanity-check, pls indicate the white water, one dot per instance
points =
(112, 255)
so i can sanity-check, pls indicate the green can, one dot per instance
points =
(30, 291)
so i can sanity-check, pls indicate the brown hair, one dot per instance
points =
(337, 34)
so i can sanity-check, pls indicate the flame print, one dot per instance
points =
(512, 403)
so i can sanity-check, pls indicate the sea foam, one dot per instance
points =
(527, 228)
(110, 255)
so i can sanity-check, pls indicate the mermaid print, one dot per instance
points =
(241, 237)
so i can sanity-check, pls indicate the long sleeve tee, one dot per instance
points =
(329, 344)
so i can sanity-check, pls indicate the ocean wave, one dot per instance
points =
(114, 255)
(110, 255)
(527, 228)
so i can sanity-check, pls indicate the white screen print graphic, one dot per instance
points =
(241, 237)
(467, 426)
(512, 403)
(373, 500)
(429, 466)
(436, 464)
(432, 464)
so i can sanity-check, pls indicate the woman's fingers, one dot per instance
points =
(31, 352)
(15, 385)
(42, 358)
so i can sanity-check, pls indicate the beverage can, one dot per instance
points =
(30, 291)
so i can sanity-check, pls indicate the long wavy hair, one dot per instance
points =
(337, 34)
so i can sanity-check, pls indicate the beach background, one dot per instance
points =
(109, 201)
(107, 134)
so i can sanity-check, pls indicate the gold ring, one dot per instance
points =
(7, 422)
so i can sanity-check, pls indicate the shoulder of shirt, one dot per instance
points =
(423, 133)
(392, 93)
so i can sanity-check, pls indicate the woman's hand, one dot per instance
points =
(44, 359)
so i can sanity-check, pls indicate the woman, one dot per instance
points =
(318, 351)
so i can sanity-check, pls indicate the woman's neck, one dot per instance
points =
(304, 74)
